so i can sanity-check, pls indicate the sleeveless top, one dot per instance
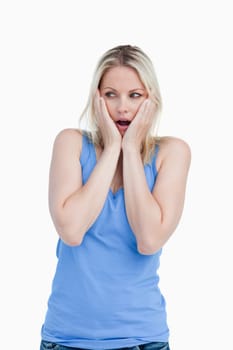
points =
(105, 294)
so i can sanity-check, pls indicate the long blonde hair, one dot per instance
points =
(134, 57)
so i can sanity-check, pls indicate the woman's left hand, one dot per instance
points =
(140, 125)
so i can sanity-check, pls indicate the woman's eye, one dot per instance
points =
(135, 94)
(109, 94)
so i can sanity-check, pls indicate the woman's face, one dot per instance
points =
(123, 93)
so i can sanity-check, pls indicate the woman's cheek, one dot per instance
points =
(110, 108)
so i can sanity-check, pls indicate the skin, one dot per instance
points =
(153, 216)
(123, 96)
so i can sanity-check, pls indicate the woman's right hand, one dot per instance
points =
(110, 134)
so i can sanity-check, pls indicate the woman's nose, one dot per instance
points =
(123, 106)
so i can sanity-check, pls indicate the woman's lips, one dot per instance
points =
(122, 125)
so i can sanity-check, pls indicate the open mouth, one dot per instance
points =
(123, 122)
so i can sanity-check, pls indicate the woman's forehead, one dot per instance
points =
(121, 76)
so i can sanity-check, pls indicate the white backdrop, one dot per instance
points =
(48, 53)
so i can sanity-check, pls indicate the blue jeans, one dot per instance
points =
(148, 346)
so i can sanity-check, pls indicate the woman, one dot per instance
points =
(116, 194)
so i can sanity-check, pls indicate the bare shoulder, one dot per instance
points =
(69, 138)
(171, 143)
(173, 149)
(69, 134)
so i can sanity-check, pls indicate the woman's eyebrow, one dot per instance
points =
(109, 87)
(137, 89)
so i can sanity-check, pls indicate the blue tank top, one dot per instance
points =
(105, 294)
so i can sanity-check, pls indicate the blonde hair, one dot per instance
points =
(133, 57)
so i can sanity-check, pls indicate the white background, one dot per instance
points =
(48, 53)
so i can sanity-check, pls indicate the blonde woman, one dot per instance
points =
(116, 195)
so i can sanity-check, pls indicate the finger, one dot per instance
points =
(141, 111)
(96, 106)
(152, 105)
(143, 106)
(97, 95)
(149, 110)
(104, 107)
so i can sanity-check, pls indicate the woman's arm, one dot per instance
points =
(74, 207)
(154, 216)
